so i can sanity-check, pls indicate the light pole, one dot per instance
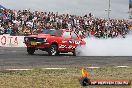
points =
(108, 10)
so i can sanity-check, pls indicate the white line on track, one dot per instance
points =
(61, 68)
(19, 69)
(122, 67)
(53, 68)
(93, 67)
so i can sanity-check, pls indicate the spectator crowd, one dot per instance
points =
(27, 22)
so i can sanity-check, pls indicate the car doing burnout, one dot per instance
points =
(54, 42)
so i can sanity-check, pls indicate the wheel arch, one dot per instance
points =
(55, 43)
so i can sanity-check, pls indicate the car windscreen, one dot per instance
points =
(53, 32)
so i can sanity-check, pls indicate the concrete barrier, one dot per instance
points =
(11, 41)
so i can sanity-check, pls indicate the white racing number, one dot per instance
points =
(77, 42)
(62, 46)
(71, 47)
(74, 42)
(68, 47)
(71, 42)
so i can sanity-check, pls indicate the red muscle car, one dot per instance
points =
(54, 42)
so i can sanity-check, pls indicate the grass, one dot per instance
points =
(66, 78)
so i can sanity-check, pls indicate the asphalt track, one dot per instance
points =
(11, 58)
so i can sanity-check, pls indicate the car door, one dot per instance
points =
(64, 45)
(76, 41)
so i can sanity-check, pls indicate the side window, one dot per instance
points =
(74, 36)
(66, 35)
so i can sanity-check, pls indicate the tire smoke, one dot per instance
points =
(106, 47)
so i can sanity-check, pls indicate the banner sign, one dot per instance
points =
(11, 41)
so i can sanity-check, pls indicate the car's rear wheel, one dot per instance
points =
(74, 53)
(30, 51)
(53, 50)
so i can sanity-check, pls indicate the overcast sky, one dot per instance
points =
(119, 8)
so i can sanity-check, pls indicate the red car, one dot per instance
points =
(54, 42)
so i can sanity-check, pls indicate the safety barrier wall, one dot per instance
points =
(11, 41)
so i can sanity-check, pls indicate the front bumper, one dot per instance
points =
(37, 45)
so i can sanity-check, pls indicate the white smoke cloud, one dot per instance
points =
(106, 47)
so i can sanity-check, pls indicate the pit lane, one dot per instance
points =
(18, 58)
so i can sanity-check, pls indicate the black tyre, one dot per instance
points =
(30, 51)
(53, 50)
(74, 53)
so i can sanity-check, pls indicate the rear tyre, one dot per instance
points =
(53, 50)
(74, 53)
(30, 51)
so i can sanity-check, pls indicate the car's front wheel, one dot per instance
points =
(30, 51)
(53, 50)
